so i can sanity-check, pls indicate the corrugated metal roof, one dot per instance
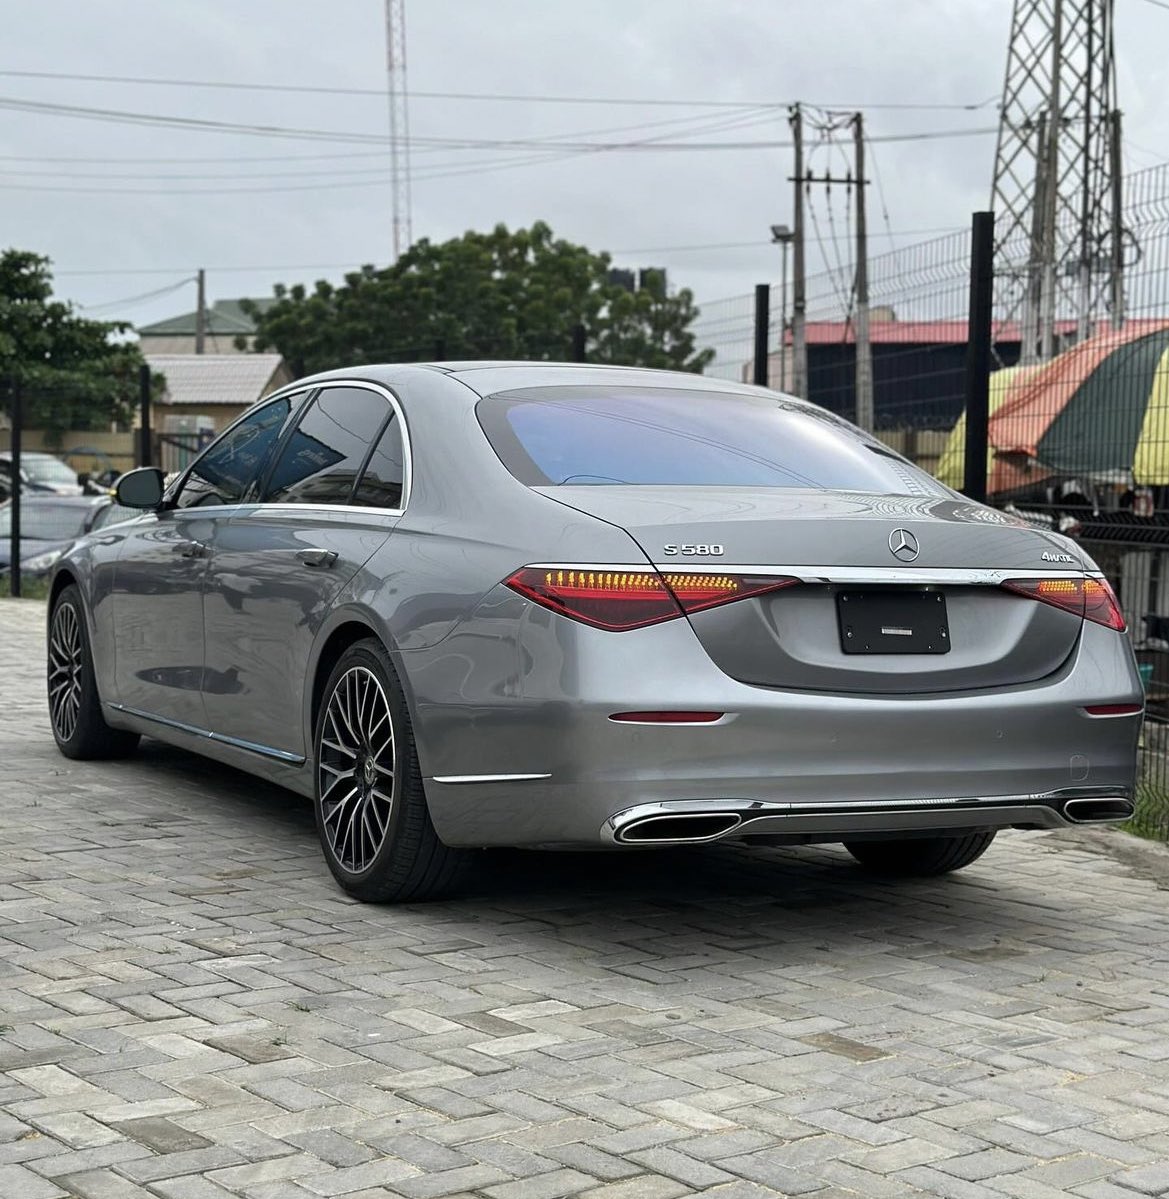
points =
(215, 378)
(225, 318)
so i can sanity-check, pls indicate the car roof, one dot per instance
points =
(484, 377)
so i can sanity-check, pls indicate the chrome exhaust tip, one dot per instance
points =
(1101, 810)
(678, 828)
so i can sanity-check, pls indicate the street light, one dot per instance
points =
(783, 236)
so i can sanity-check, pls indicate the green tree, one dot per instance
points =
(70, 369)
(504, 294)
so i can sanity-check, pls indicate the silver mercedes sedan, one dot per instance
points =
(482, 604)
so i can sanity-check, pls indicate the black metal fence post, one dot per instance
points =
(579, 343)
(17, 432)
(978, 354)
(762, 320)
(145, 446)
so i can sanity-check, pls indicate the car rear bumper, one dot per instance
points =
(542, 763)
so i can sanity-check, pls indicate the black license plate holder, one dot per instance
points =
(893, 622)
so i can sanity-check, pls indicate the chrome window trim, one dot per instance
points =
(954, 575)
(407, 452)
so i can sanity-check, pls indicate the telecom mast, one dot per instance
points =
(1057, 173)
(399, 123)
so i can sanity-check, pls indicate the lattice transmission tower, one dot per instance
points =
(399, 123)
(1057, 174)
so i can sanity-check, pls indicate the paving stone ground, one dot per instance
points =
(190, 1009)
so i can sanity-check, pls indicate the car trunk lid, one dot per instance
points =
(896, 594)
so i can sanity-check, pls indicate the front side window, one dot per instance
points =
(553, 436)
(325, 453)
(231, 467)
(381, 483)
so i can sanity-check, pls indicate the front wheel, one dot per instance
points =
(79, 728)
(923, 856)
(371, 812)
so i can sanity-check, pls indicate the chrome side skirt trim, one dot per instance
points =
(488, 778)
(265, 751)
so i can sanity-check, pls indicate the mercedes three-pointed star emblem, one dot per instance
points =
(903, 545)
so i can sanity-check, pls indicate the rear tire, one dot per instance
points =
(922, 857)
(372, 818)
(75, 713)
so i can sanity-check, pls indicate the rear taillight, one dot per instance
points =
(619, 600)
(1093, 599)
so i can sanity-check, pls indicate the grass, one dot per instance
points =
(37, 589)
(1151, 819)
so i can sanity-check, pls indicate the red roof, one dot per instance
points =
(931, 333)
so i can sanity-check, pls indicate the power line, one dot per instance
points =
(138, 299)
(757, 244)
(694, 124)
(475, 97)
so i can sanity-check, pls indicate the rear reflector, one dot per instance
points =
(1114, 709)
(667, 717)
(1093, 599)
(618, 600)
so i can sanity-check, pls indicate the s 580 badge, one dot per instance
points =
(694, 551)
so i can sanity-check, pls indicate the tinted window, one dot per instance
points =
(45, 521)
(380, 485)
(230, 467)
(604, 436)
(324, 455)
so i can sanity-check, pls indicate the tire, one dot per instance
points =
(78, 726)
(379, 841)
(922, 857)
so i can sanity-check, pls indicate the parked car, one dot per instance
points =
(569, 606)
(50, 524)
(39, 473)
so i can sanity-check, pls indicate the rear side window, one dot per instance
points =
(324, 455)
(654, 436)
(380, 485)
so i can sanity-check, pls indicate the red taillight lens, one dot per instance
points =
(618, 600)
(1093, 599)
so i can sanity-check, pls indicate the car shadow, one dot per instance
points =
(750, 884)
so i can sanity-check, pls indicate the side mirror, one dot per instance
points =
(141, 488)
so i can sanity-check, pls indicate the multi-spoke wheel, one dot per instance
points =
(370, 806)
(74, 706)
(65, 671)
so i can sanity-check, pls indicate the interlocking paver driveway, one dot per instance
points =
(192, 1009)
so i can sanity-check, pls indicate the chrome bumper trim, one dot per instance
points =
(773, 817)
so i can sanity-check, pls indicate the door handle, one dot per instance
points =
(314, 557)
(192, 549)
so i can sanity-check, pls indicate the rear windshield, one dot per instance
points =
(552, 436)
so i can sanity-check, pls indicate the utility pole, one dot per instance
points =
(864, 349)
(862, 331)
(799, 278)
(782, 236)
(200, 311)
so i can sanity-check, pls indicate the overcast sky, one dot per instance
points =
(646, 207)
